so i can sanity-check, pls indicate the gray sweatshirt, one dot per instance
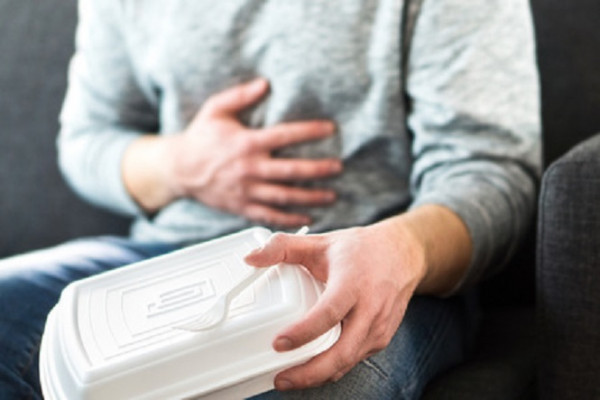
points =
(454, 123)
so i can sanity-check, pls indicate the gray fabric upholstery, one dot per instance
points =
(36, 207)
(569, 275)
(569, 216)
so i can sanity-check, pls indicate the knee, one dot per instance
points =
(24, 296)
(29, 284)
(430, 339)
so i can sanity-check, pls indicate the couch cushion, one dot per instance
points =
(568, 275)
(36, 207)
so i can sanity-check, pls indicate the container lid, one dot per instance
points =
(112, 336)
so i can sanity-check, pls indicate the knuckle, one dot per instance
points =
(278, 199)
(263, 215)
(316, 378)
(290, 169)
(323, 197)
(278, 239)
(238, 95)
(211, 105)
(245, 146)
(245, 211)
(244, 193)
(332, 313)
(328, 168)
(338, 376)
(249, 211)
(320, 168)
(380, 344)
(344, 361)
(243, 168)
(308, 381)
(381, 338)
(282, 197)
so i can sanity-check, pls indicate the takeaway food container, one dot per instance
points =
(112, 336)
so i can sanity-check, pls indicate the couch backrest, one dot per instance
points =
(568, 38)
(36, 207)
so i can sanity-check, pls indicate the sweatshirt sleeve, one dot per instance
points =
(104, 109)
(474, 93)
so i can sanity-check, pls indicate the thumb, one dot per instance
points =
(287, 248)
(237, 98)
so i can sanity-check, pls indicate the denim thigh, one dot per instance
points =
(30, 285)
(434, 335)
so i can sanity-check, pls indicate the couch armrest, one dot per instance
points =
(568, 275)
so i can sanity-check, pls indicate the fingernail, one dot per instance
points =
(259, 82)
(283, 384)
(283, 344)
(337, 376)
(330, 127)
(336, 167)
(304, 221)
(254, 252)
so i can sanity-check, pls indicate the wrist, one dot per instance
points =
(408, 248)
(447, 245)
(437, 244)
(171, 147)
(146, 173)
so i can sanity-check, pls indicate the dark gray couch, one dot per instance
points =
(568, 268)
(569, 275)
(37, 209)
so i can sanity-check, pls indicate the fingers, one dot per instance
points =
(294, 169)
(271, 216)
(285, 195)
(332, 364)
(330, 310)
(365, 303)
(287, 134)
(234, 100)
(288, 248)
(263, 197)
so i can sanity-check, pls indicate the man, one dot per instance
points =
(405, 134)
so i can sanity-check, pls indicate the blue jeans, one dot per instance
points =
(434, 335)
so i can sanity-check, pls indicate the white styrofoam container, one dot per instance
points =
(111, 336)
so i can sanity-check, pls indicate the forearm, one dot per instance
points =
(91, 165)
(476, 125)
(443, 241)
(105, 109)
